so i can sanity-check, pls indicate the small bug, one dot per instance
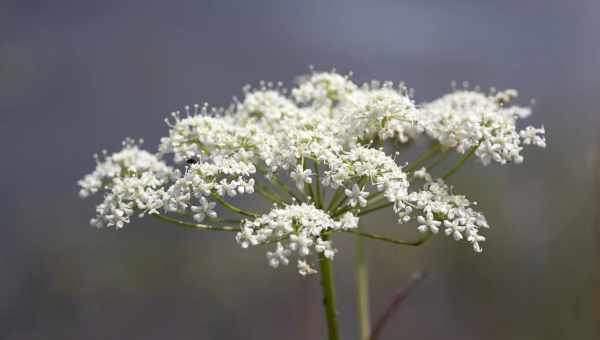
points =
(191, 161)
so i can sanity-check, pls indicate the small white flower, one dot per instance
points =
(534, 136)
(474, 238)
(428, 223)
(325, 248)
(206, 209)
(279, 256)
(324, 89)
(356, 196)
(301, 243)
(246, 237)
(423, 174)
(454, 228)
(349, 221)
(301, 177)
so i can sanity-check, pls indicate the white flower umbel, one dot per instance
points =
(323, 155)
(130, 161)
(382, 111)
(336, 142)
(132, 180)
(295, 228)
(468, 119)
(435, 206)
(324, 89)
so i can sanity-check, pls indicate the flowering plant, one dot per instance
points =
(324, 154)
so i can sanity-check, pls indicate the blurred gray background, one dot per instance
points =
(80, 76)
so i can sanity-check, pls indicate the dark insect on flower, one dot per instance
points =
(191, 161)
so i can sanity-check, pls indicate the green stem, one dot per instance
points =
(201, 146)
(194, 225)
(376, 199)
(378, 139)
(318, 198)
(279, 184)
(223, 220)
(329, 295)
(270, 196)
(461, 162)
(341, 205)
(282, 238)
(209, 219)
(375, 194)
(368, 209)
(362, 289)
(423, 158)
(237, 210)
(308, 187)
(442, 157)
(361, 183)
(418, 242)
(340, 212)
(338, 194)
(371, 209)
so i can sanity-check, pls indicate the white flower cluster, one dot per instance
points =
(132, 179)
(204, 137)
(296, 228)
(221, 176)
(126, 196)
(324, 89)
(325, 135)
(376, 168)
(437, 206)
(469, 119)
(129, 161)
(382, 111)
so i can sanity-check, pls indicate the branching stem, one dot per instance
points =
(418, 242)
(280, 184)
(318, 193)
(336, 197)
(371, 209)
(269, 195)
(423, 158)
(235, 209)
(195, 225)
(461, 162)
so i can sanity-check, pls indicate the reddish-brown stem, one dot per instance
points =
(399, 297)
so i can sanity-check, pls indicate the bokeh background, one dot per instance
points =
(80, 76)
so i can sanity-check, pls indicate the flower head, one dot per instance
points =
(331, 138)
(466, 119)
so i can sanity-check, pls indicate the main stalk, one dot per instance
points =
(329, 295)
